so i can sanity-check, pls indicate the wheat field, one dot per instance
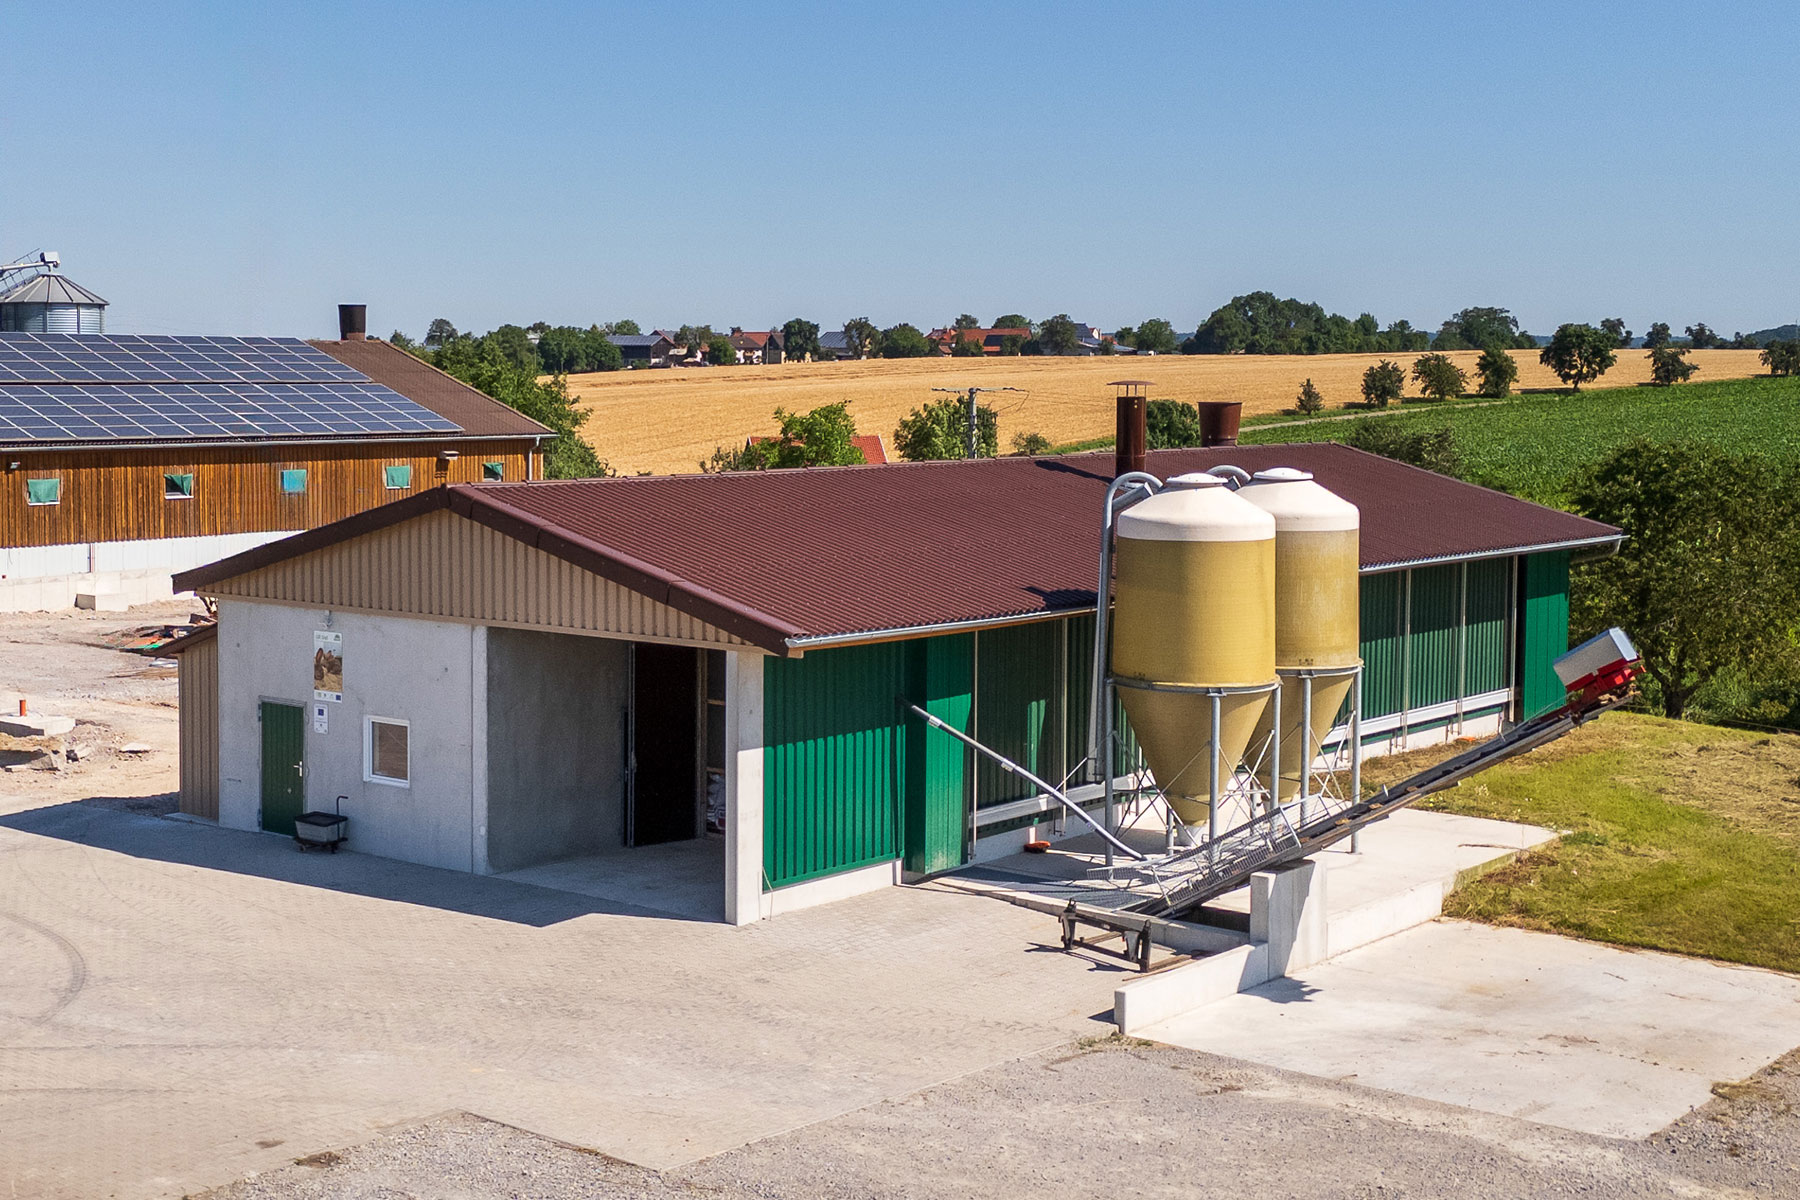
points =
(667, 421)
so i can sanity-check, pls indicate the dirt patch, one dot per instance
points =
(67, 664)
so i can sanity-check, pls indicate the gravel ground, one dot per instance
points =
(1110, 1118)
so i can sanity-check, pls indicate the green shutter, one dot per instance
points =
(1382, 659)
(1544, 629)
(1019, 708)
(43, 491)
(942, 682)
(1490, 581)
(834, 749)
(177, 485)
(493, 472)
(293, 481)
(397, 477)
(1431, 656)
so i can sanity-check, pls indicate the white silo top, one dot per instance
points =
(1197, 507)
(1298, 504)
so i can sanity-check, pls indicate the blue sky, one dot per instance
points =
(242, 168)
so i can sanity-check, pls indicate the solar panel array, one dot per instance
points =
(69, 387)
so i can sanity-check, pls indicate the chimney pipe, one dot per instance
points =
(353, 322)
(1131, 440)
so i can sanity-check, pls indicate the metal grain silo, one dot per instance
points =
(1194, 633)
(1317, 609)
(51, 303)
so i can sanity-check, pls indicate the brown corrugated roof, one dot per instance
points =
(479, 414)
(785, 557)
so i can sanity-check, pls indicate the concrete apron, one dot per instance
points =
(1296, 916)
(1330, 904)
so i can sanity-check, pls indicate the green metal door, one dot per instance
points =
(942, 682)
(1544, 621)
(283, 766)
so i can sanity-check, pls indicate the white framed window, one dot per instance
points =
(387, 751)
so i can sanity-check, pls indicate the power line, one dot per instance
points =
(974, 433)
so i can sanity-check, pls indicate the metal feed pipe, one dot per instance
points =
(1112, 843)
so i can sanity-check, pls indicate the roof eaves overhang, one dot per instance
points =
(1596, 542)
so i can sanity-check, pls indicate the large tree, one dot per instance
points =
(1579, 354)
(860, 335)
(941, 430)
(1438, 377)
(720, 352)
(1708, 578)
(439, 332)
(1012, 321)
(966, 321)
(1155, 336)
(823, 437)
(1702, 338)
(1477, 329)
(1498, 370)
(625, 328)
(1658, 336)
(799, 340)
(1170, 425)
(1616, 327)
(1058, 335)
(483, 366)
(903, 341)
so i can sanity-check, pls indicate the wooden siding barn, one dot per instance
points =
(128, 458)
(125, 495)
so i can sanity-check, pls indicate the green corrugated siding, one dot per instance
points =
(1019, 708)
(1078, 633)
(834, 753)
(1544, 629)
(1382, 660)
(937, 765)
(1431, 655)
(1489, 583)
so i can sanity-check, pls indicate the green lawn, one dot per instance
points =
(1676, 836)
(1532, 445)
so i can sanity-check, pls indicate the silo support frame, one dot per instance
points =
(1319, 770)
(1227, 782)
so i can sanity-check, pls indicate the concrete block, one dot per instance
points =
(36, 725)
(1387, 916)
(103, 601)
(1169, 993)
(1287, 911)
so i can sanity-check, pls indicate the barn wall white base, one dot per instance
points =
(48, 578)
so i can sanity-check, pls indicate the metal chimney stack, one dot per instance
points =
(353, 322)
(1131, 441)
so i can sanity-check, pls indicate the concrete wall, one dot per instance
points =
(555, 746)
(48, 578)
(419, 671)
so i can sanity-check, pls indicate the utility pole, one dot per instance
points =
(972, 447)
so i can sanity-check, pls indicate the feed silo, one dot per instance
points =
(1317, 610)
(48, 301)
(1193, 638)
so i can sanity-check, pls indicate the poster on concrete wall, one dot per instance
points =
(328, 665)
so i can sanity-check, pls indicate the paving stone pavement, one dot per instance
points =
(182, 1005)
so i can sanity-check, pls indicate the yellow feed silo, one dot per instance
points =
(1317, 607)
(1194, 606)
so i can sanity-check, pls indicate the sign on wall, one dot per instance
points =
(321, 717)
(328, 665)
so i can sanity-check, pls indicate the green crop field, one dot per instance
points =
(1532, 445)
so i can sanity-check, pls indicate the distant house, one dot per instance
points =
(991, 340)
(833, 345)
(1091, 338)
(874, 451)
(767, 348)
(644, 350)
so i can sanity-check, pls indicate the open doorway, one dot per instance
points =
(665, 745)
